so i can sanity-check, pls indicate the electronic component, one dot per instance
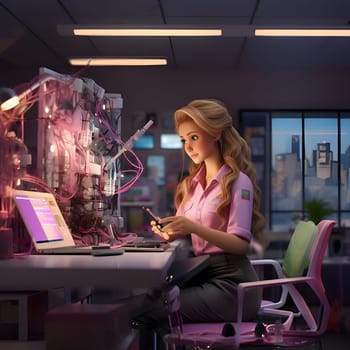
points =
(78, 148)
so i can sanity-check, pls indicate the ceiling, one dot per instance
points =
(29, 37)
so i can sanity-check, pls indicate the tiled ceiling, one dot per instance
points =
(29, 37)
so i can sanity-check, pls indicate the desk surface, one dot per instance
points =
(130, 270)
(127, 271)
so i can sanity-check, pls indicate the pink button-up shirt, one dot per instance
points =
(202, 205)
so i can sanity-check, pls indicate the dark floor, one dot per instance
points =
(336, 341)
(338, 338)
(328, 341)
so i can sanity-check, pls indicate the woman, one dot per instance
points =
(218, 206)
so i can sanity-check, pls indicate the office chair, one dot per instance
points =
(296, 259)
(306, 249)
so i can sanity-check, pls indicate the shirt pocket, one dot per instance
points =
(211, 208)
(209, 215)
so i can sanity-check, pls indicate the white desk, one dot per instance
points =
(130, 270)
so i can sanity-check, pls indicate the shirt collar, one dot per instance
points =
(201, 174)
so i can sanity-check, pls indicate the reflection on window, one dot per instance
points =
(286, 181)
(345, 168)
(321, 150)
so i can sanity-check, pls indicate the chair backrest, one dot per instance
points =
(298, 251)
(324, 230)
(317, 327)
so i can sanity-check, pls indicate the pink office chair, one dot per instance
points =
(307, 246)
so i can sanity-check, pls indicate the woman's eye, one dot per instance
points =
(192, 138)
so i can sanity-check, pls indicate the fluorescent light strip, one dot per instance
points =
(303, 32)
(118, 61)
(146, 32)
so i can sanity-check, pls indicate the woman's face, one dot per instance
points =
(198, 144)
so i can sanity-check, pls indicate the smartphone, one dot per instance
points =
(153, 216)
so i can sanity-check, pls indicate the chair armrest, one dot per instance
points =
(274, 282)
(269, 262)
(277, 268)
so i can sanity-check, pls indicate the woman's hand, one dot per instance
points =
(159, 231)
(172, 227)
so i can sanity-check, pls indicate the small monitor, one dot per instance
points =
(170, 141)
(144, 142)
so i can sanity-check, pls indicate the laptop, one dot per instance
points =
(47, 227)
(50, 233)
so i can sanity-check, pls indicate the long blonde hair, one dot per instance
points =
(213, 117)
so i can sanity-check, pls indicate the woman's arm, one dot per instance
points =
(177, 226)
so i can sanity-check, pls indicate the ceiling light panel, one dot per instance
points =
(118, 61)
(164, 30)
(303, 32)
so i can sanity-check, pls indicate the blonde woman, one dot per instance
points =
(218, 207)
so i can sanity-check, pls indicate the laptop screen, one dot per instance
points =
(40, 218)
(43, 219)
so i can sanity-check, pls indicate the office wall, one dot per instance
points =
(159, 90)
(163, 90)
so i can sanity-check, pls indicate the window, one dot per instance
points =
(307, 158)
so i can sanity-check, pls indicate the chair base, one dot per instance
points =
(209, 336)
